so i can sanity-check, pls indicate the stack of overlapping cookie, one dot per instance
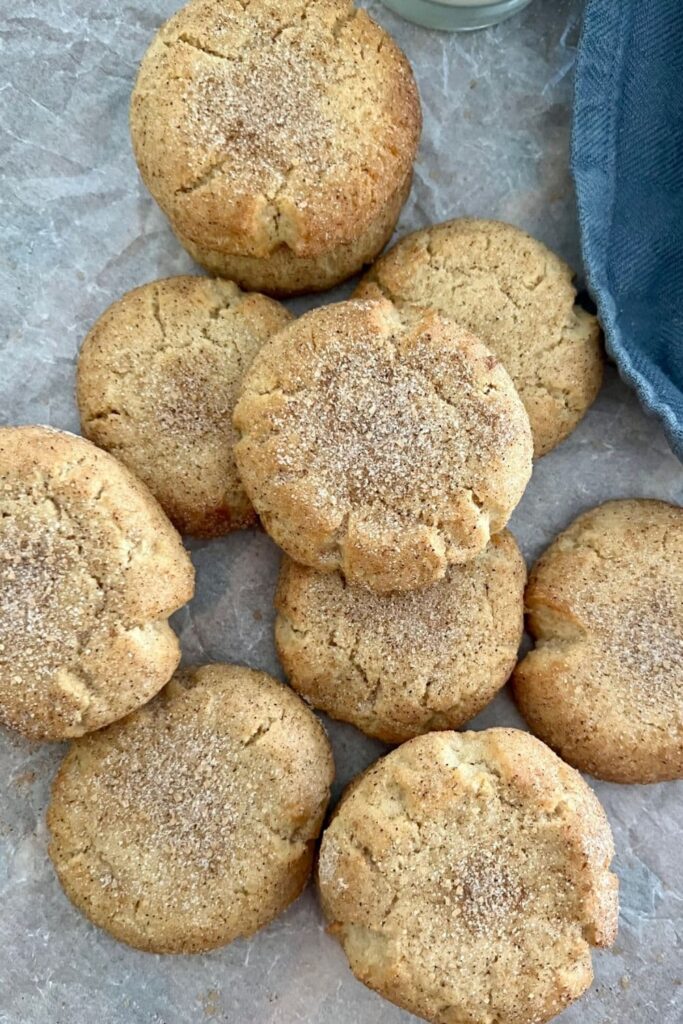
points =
(383, 443)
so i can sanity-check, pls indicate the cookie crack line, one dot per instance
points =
(481, 392)
(388, 293)
(130, 548)
(263, 729)
(220, 345)
(364, 850)
(470, 272)
(558, 342)
(206, 176)
(559, 395)
(103, 416)
(394, 900)
(83, 638)
(340, 535)
(342, 22)
(274, 204)
(585, 542)
(351, 652)
(539, 378)
(287, 25)
(156, 311)
(72, 681)
(223, 307)
(290, 838)
(195, 44)
(336, 30)
(374, 688)
(397, 791)
(547, 635)
(423, 700)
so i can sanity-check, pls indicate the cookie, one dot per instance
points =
(517, 297)
(158, 377)
(604, 685)
(466, 876)
(396, 665)
(90, 570)
(386, 444)
(193, 821)
(278, 137)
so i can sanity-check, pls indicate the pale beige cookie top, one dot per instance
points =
(274, 123)
(158, 377)
(400, 664)
(90, 570)
(467, 875)
(517, 297)
(386, 444)
(604, 685)
(193, 821)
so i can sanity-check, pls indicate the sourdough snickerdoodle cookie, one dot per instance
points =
(193, 821)
(517, 297)
(386, 444)
(400, 664)
(90, 570)
(466, 876)
(278, 137)
(158, 377)
(604, 685)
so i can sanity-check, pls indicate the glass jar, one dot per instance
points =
(456, 15)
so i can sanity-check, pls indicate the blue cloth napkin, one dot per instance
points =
(627, 160)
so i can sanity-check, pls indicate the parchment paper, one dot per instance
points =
(77, 229)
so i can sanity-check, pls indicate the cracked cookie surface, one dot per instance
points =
(517, 297)
(278, 137)
(193, 821)
(466, 876)
(90, 570)
(158, 377)
(396, 665)
(604, 685)
(386, 444)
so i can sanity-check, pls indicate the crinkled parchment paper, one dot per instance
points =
(78, 229)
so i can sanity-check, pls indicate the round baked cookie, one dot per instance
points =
(193, 821)
(466, 876)
(517, 297)
(158, 377)
(386, 444)
(396, 665)
(90, 570)
(278, 136)
(604, 685)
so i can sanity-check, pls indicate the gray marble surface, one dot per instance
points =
(77, 229)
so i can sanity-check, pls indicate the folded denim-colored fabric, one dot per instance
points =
(627, 160)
